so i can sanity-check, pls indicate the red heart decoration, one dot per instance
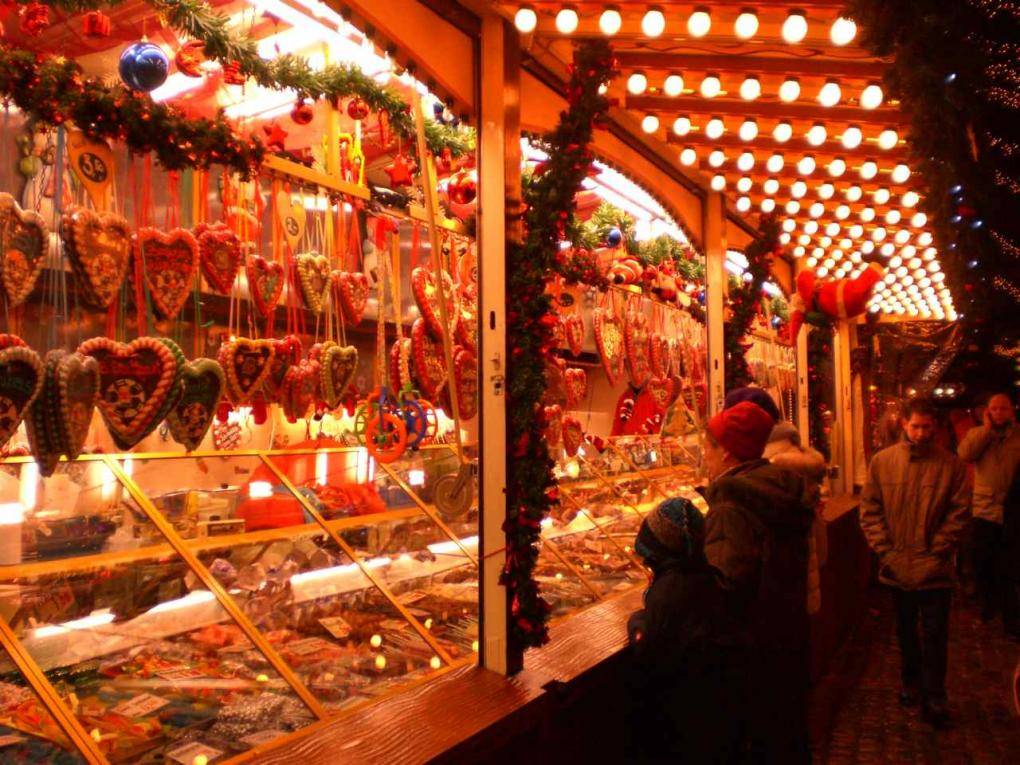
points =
(427, 359)
(661, 391)
(300, 389)
(220, 253)
(426, 295)
(24, 243)
(287, 351)
(573, 436)
(609, 340)
(246, 364)
(352, 288)
(170, 261)
(338, 365)
(99, 248)
(576, 385)
(573, 331)
(465, 377)
(635, 338)
(265, 282)
(659, 355)
(553, 425)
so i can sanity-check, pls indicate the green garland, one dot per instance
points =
(745, 300)
(549, 196)
(821, 394)
(333, 82)
(57, 92)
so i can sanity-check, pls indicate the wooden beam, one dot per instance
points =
(715, 278)
(721, 62)
(882, 116)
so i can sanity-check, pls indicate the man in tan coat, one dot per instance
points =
(994, 448)
(913, 511)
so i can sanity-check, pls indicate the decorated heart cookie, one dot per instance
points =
(23, 245)
(337, 367)
(202, 383)
(226, 436)
(59, 419)
(426, 295)
(21, 379)
(573, 435)
(609, 339)
(427, 361)
(658, 354)
(99, 248)
(265, 283)
(246, 364)
(220, 253)
(467, 327)
(576, 383)
(553, 430)
(661, 390)
(352, 290)
(555, 381)
(300, 389)
(573, 332)
(635, 339)
(170, 260)
(287, 351)
(465, 377)
(314, 275)
(136, 381)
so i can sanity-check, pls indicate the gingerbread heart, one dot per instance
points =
(659, 358)
(427, 360)
(465, 378)
(352, 290)
(287, 351)
(11, 341)
(553, 425)
(609, 340)
(265, 283)
(635, 339)
(573, 435)
(136, 380)
(573, 332)
(59, 419)
(426, 295)
(661, 390)
(467, 327)
(300, 389)
(246, 364)
(99, 248)
(202, 382)
(337, 368)
(170, 260)
(24, 242)
(21, 379)
(220, 253)
(314, 274)
(555, 381)
(576, 383)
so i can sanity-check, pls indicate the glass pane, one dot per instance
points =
(342, 637)
(428, 573)
(28, 732)
(565, 593)
(424, 472)
(340, 484)
(151, 658)
(79, 510)
(221, 495)
(585, 545)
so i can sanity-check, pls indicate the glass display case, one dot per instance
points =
(189, 607)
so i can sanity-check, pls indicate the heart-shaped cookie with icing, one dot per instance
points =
(246, 364)
(467, 326)
(59, 419)
(136, 382)
(553, 429)
(573, 435)
(99, 248)
(220, 255)
(337, 365)
(352, 291)
(661, 391)
(576, 383)
(170, 260)
(635, 338)
(287, 351)
(265, 284)
(465, 378)
(202, 385)
(609, 340)
(658, 354)
(21, 379)
(300, 389)
(427, 360)
(314, 274)
(24, 241)
(573, 332)
(426, 295)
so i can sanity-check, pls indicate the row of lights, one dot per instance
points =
(826, 191)
(842, 31)
(856, 231)
(830, 94)
(806, 165)
(851, 138)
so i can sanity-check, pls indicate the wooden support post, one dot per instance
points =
(803, 414)
(499, 165)
(843, 436)
(714, 215)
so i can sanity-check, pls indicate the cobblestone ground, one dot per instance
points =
(857, 718)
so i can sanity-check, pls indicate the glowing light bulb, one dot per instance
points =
(816, 210)
(653, 23)
(910, 199)
(744, 204)
(718, 182)
(525, 20)
(746, 25)
(795, 27)
(878, 234)
(868, 170)
(745, 161)
(789, 225)
(872, 96)
(782, 132)
(682, 125)
(826, 190)
(830, 94)
(816, 135)
(900, 174)
(918, 219)
(853, 193)
(892, 217)
(688, 156)
(868, 214)
(789, 90)
(748, 130)
(837, 167)
(811, 227)
(774, 163)
(744, 185)
(566, 21)
(767, 206)
(637, 83)
(717, 158)
(798, 251)
(673, 85)
(798, 189)
(832, 229)
(888, 139)
(792, 207)
(843, 31)
(843, 212)
(650, 123)
(699, 23)
(610, 22)
(881, 196)
(771, 186)
(856, 231)
(806, 165)
(750, 88)
(852, 137)
(711, 86)
(714, 128)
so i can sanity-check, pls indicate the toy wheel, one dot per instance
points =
(414, 419)
(385, 437)
(453, 493)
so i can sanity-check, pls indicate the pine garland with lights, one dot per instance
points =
(57, 92)
(549, 199)
(745, 300)
(820, 387)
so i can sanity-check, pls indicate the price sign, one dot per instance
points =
(92, 164)
(291, 214)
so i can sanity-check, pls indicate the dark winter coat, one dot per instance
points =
(1011, 531)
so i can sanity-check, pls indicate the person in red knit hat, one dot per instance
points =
(756, 540)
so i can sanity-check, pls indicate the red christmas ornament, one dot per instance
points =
(189, 58)
(302, 113)
(463, 189)
(232, 73)
(275, 137)
(357, 109)
(35, 17)
(400, 172)
(95, 24)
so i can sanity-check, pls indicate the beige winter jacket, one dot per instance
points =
(913, 511)
(995, 457)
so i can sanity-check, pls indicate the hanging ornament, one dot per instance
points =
(143, 66)
(357, 109)
(276, 137)
(302, 113)
(400, 171)
(95, 24)
(614, 237)
(462, 188)
(190, 57)
(232, 74)
(35, 17)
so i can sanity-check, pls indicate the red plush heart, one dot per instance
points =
(465, 377)
(573, 331)
(170, 261)
(573, 436)
(220, 253)
(265, 282)
(427, 359)
(609, 340)
(636, 342)
(576, 386)
(659, 355)
(352, 289)
(426, 295)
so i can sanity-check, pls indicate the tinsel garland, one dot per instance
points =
(549, 210)
(56, 91)
(332, 82)
(745, 300)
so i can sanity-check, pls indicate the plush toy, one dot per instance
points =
(619, 266)
(834, 299)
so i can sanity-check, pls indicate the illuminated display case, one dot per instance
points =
(148, 621)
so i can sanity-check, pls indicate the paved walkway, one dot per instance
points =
(857, 717)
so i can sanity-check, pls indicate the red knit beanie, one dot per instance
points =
(742, 430)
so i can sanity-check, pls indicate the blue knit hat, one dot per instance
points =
(758, 396)
(674, 530)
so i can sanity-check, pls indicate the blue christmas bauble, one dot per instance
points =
(614, 237)
(143, 66)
